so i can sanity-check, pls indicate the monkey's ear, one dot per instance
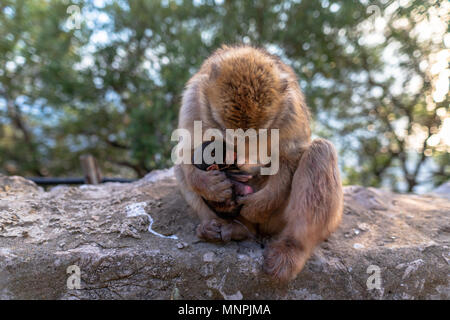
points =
(215, 71)
(284, 80)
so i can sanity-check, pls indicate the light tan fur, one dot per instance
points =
(245, 87)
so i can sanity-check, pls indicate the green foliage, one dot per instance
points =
(113, 87)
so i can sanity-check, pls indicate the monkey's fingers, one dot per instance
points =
(242, 200)
(240, 177)
(212, 167)
(226, 232)
(215, 231)
(209, 231)
(217, 176)
(219, 188)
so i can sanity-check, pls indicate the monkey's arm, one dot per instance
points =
(258, 206)
(210, 185)
(211, 228)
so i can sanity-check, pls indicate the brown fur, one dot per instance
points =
(245, 87)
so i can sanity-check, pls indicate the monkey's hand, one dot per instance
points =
(257, 207)
(211, 185)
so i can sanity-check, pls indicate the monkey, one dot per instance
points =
(228, 209)
(245, 87)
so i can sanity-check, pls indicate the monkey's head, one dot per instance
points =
(245, 89)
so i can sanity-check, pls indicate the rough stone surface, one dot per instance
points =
(136, 241)
(443, 190)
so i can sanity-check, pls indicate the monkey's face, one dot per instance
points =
(245, 91)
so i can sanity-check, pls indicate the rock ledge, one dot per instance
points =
(136, 241)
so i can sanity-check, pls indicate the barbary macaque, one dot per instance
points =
(300, 204)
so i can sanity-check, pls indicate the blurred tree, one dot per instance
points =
(37, 79)
(112, 87)
(392, 108)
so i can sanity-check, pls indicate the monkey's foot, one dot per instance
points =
(221, 231)
(209, 231)
(283, 260)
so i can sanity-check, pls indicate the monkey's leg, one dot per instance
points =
(211, 228)
(314, 210)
